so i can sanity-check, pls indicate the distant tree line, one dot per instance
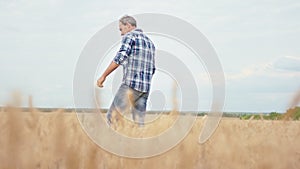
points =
(291, 114)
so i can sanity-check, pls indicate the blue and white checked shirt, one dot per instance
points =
(136, 55)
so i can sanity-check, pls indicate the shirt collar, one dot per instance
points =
(137, 29)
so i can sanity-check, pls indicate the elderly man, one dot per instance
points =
(136, 55)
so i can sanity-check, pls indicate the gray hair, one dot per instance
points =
(128, 19)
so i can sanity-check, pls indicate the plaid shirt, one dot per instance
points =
(136, 55)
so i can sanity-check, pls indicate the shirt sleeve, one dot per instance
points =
(125, 49)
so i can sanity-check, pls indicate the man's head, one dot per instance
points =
(127, 24)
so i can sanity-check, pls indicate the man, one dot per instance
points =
(136, 55)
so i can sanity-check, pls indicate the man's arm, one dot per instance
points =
(108, 70)
(121, 56)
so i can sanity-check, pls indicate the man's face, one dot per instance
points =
(124, 28)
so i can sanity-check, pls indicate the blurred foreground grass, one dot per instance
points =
(52, 140)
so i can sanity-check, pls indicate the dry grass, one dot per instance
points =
(125, 125)
(56, 140)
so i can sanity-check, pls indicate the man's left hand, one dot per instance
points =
(100, 81)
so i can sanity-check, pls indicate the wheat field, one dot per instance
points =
(35, 139)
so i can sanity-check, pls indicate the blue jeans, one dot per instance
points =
(136, 103)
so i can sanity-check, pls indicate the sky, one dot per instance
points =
(257, 42)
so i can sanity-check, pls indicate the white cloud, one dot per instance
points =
(287, 63)
(265, 86)
(286, 66)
